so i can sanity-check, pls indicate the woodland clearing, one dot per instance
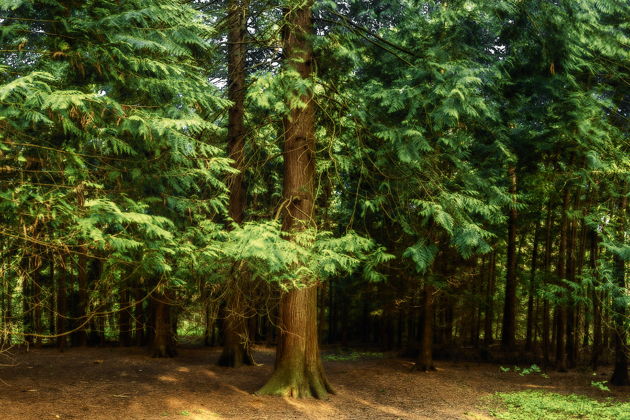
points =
(124, 383)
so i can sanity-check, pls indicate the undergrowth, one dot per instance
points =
(354, 355)
(539, 405)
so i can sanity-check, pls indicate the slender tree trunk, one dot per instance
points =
(489, 314)
(546, 264)
(332, 313)
(38, 304)
(139, 315)
(571, 279)
(532, 291)
(82, 310)
(299, 371)
(561, 308)
(51, 302)
(27, 297)
(508, 335)
(596, 297)
(124, 317)
(620, 307)
(425, 357)
(61, 307)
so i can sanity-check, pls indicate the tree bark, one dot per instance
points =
(546, 264)
(61, 308)
(619, 307)
(571, 278)
(596, 297)
(124, 317)
(425, 357)
(82, 310)
(508, 335)
(299, 371)
(236, 340)
(236, 344)
(163, 337)
(532, 290)
(561, 308)
(489, 304)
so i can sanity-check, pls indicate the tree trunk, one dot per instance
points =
(61, 307)
(489, 304)
(236, 344)
(596, 297)
(546, 264)
(139, 315)
(299, 371)
(425, 357)
(532, 291)
(561, 308)
(124, 317)
(571, 278)
(508, 335)
(163, 337)
(38, 304)
(236, 340)
(619, 307)
(82, 310)
(27, 297)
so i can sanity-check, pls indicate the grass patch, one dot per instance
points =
(534, 405)
(354, 355)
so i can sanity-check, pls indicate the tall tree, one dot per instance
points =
(620, 300)
(236, 345)
(298, 371)
(508, 336)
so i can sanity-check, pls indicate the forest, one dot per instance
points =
(269, 191)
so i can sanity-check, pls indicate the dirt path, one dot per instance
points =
(122, 383)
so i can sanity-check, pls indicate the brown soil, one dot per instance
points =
(123, 383)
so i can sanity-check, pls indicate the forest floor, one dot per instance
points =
(123, 383)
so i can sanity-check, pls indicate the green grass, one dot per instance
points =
(355, 355)
(539, 405)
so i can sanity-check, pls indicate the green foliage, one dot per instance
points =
(533, 405)
(310, 256)
(352, 356)
(601, 385)
(524, 371)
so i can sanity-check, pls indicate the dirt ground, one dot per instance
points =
(123, 383)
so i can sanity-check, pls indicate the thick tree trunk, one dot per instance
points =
(619, 307)
(425, 357)
(299, 371)
(236, 344)
(237, 24)
(508, 336)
